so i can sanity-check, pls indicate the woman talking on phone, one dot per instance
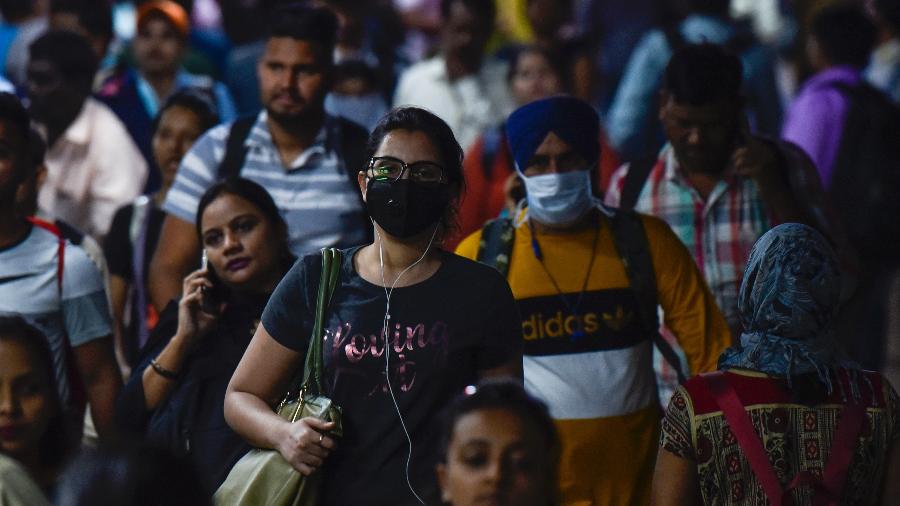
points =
(408, 327)
(175, 395)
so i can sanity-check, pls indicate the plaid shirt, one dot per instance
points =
(719, 232)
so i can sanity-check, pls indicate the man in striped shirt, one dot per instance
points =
(717, 186)
(293, 149)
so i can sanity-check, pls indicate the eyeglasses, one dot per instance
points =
(388, 168)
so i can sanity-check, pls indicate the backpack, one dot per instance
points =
(352, 148)
(630, 238)
(865, 178)
(353, 139)
(827, 485)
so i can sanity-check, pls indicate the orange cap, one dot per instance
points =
(172, 11)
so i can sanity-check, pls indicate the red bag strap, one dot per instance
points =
(843, 447)
(830, 487)
(747, 438)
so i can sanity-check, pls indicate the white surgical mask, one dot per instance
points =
(560, 198)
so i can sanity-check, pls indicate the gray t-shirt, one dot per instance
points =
(29, 287)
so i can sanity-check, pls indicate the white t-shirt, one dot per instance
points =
(29, 288)
(469, 105)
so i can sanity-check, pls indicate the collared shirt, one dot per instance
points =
(883, 71)
(815, 119)
(719, 231)
(92, 169)
(631, 123)
(469, 105)
(314, 193)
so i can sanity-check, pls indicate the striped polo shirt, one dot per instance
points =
(314, 193)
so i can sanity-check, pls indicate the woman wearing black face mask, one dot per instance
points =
(447, 322)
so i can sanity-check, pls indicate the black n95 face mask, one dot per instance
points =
(404, 208)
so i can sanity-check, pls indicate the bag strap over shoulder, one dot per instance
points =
(634, 249)
(829, 488)
(331, 271)
(638, 172)
(496, 245)
(235, 150)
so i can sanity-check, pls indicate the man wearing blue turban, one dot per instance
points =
(588, 338)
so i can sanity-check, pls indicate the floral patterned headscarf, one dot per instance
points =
(788, 301)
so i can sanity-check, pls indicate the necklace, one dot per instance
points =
(578, 332)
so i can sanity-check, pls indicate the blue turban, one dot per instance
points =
(571, 119)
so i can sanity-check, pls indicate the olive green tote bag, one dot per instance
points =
(264, 477)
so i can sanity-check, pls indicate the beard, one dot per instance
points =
(295, 119)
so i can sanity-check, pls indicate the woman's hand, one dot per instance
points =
(193, 322)
(305, 445)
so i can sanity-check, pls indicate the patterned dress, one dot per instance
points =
(796, 437)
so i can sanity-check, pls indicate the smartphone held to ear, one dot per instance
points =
(210, 301)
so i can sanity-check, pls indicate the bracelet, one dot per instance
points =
(162, 371)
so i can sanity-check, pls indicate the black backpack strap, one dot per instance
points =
(638, 172)
(352, 148)
(496, 245)
(631, 243)
(235, 150)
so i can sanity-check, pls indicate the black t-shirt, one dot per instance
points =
(443, 332)
(117, 246)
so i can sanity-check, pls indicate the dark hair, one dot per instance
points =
(196, 100)
(37, 149)
(256, 195)
(14, 10)
(59, 441)
(701, 74)
(485, 10)
(355, 69)
(890, 11)
(556, 63)
(507, 395)
(94, 15)
(302, 22)
(13, 113)
(70, 53)
(719, 7)
(844, 33)
(135, 474)
(415, 119)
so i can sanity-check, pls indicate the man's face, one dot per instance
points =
(294, 77)
(12, 159)
(703, 136)
(465, 34)
(158, 47)
(554, 156)
(53, 99)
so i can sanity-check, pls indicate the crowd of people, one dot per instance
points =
(589, 251)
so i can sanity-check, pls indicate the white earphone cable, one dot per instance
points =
(387, 346)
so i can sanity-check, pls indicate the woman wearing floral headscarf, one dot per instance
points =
(786, 419)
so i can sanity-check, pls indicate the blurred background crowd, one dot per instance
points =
(135, 108)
